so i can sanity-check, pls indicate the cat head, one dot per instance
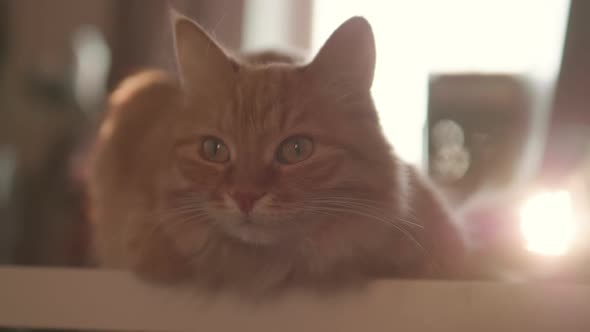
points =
(266, 149)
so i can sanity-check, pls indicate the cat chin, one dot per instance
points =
(250, 233)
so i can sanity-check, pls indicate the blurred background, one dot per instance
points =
(489, 98)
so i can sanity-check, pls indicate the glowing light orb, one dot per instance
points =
(547, 223)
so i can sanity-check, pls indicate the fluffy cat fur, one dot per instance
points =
(350, 213)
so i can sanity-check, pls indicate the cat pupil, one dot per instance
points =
(297, 148)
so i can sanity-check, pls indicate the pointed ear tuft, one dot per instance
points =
(173, 14)
(202, 63)
(348, 55)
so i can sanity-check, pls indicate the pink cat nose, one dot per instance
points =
(246, 199)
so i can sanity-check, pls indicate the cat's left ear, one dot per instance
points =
(348, 56)
(203, 65)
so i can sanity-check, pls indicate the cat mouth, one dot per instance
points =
(251, 223)
(246, 220)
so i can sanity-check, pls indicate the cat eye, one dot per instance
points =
(294, 149)
(214, 150)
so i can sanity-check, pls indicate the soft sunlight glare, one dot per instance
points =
(420, 37)
(548, 224)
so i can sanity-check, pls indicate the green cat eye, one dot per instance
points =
(294, 149)
(214, 150)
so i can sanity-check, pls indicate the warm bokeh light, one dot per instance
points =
(548, 224)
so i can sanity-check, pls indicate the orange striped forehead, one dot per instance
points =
(263, 104)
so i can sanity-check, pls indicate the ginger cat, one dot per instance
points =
(259, 173)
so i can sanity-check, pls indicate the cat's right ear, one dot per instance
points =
(348, 56)
(203, 65)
